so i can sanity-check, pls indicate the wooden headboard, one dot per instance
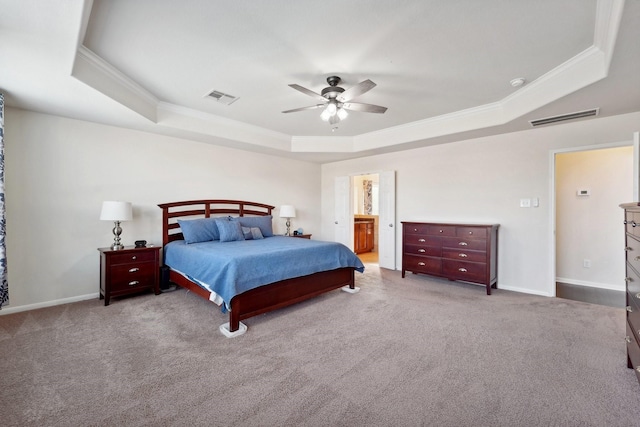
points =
(194, 209)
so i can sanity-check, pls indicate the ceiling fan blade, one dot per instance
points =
(367, 108)
(312, 107)
(357, 90)
(308, 92)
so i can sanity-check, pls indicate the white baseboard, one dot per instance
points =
(9, 309)
(591, 284)
(525, 291)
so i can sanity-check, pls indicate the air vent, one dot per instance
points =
(563, 117)
(223, 98)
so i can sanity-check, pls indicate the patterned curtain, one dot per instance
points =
(4, 285)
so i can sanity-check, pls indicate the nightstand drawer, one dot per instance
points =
(132, 257)
(128, 272)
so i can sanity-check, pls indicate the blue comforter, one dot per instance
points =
(230, 268)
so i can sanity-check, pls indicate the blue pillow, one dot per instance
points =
(252, 233)
(230, 231)
(199, 230)
(264, 223)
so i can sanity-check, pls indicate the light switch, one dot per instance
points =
(525, 203)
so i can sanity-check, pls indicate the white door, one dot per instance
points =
(342, 217)
(387, 220)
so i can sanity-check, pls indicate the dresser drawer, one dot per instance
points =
(464, 255)
(467, 271)
(633, 281)
(633, 351)
(422, 250)
(633, 314)
(441, 230)
(415, 228)
(633, 223)
(464, 243)
(422, 264)
(132, 257)
(472, 232)
(632, 251)
(422, 240)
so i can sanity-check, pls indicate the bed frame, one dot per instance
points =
(260, 300)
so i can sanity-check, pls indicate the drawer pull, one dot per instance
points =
(627, 339)
(415, 229)
(463, 255)
(440, 231)
(629, 309)
(422, 250)
(421, 264)
(133, 283)
(628, 248)
(463, 270)
(625, 222)
(421, 240)
(134, 257)
(134, 269)
(471, 232)
(463, 244)
(633, 223)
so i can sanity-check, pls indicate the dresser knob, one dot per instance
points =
(133, 283)
(463, 270)
(134, 269)
(471, 232)
(627, 339)
(440, 231)
(134, 257)
(421, 264)
(463, 255)
(625, 222)
(463, 243)
(629, 309)
(421, 240)
(421, 251)
(633, 223)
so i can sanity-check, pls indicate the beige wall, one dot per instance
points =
(58, 172)
(483, 180)
(589, 227)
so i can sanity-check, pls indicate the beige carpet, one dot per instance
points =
(402, 352)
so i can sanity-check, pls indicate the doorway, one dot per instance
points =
(589, 184)
(366, 219)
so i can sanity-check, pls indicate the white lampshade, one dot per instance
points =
(116, 211)
(287, 211)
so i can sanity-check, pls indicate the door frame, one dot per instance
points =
(551, 291)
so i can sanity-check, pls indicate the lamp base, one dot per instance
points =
(117, 230)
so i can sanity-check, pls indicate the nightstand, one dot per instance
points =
(128, 271)
(302, 236)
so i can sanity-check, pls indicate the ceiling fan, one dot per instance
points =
(336, 100)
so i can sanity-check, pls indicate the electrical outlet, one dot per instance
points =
(586, 263)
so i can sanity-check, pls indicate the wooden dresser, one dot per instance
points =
(464, 252)
(363, 236)
(632, 279)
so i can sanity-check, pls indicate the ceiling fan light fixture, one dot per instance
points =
(325, 115)
(342, 113)
(332, 108)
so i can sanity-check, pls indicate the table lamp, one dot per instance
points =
(288, 211)
(116, 212)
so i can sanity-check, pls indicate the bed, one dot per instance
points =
(232, 278)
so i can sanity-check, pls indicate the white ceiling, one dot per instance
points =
(441, 67)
